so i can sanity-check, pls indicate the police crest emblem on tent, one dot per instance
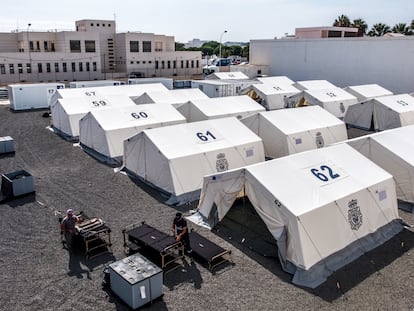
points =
(319, 140)
(222, 164)
(354, 215)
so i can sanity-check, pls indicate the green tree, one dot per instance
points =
(361, 25)
(379, 30)
(401, 28)
(342, 21)
(179, 46)
(246, 51)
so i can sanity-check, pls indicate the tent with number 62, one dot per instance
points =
(174, 159)
(324, 207)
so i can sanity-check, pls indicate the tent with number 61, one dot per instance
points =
(174, 159)
(324, 207)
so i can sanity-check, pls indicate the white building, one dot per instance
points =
(94, 51)
(387, 61)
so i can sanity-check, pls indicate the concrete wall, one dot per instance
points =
(388, 62)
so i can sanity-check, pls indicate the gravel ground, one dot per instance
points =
(35, 267)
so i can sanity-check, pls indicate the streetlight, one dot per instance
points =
(30, 53)
(221, 37)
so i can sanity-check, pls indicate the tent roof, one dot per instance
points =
(301, 191)
(398, 103)
(228, 105)
(238, 75)
(145, 115)
(366, 91)
(313, 84)
(276, 80)
(74, 105)
(272, 88)
(128, 90)
(302, 119)
(175, 96)
(327, 95)
(181, 140)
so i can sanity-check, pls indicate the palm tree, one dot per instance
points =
(379, 30)
(342, 21)
(361, 25)
(401, 28)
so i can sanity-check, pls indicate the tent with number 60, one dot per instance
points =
(325, 207)
(102, 132)
(174, 159)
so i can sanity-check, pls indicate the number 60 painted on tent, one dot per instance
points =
(324, 177)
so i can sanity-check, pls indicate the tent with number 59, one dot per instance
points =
(174, 159)
(324, 207)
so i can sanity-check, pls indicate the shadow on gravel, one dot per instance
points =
(19, 201)
(188, 273)
(244, 229)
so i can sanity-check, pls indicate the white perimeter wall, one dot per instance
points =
(388, 62)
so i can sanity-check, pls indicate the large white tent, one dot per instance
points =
(175, 158)
(98, 92)
(335, 100)
(393, 151)
(324, 207)
(227, 75)
(102, 132)
(270, 95)
(173, 97)
(220, 107)
(67, 112)
(289, 131)
(313, 85)
(364, 92)
(382, 113)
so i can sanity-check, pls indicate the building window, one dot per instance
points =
(150, 62)
(37, 46)
(20, 68)
(91, 24)
(158, 46)
(53, 46)
(198, 63)
(144, 62)
(56, 67)
(11, 68)
(39, 67)
(47, 67)
(65, 67)
(45, 46)
(182, 64)
(75, 46)
(192, 64)
(162, 64)
(334, 34)
(29, 68)
(174, 64)
(186, 63)
(31, 46)
(133, 46)
(146, 46)
(168, 64)
(131, 62)
(109, 25)
(81, 65)
(88, 67)
(2, 69)
(94, 66)
(73, 67)
(90, 46)
(156, 64)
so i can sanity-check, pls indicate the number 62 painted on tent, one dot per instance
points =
(324, 173)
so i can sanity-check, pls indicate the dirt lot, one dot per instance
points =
(38, 274)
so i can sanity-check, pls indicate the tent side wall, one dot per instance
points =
(385, 118)
(360, 115)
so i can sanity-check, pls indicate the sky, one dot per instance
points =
(205, 20)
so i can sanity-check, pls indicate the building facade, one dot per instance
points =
(93, 52)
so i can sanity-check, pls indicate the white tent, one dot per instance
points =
(33, 95)
(289, 131)
(393, 151)
(367, 91)
(67, 112)
(173, 97)
(231, 75)
(220, 107)
(270, 95)
(335, 100)
(275, 80)
(93, 83)
(132, 91)
(382, 113)
(102, 132)
(325, 207)
(313, 85)
(167, 82)
(221, 88)
(175, 158)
